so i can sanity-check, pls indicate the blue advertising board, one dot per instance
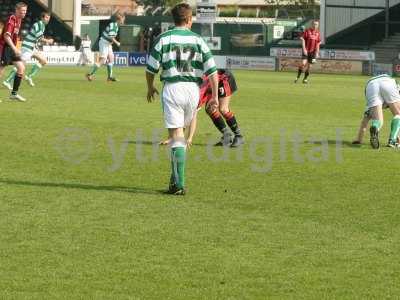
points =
(121, 59)
(137, 59)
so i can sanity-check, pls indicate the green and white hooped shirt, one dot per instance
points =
(33, 37)
(183, 56)
(110, 32)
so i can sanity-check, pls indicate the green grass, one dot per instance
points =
(72, 227)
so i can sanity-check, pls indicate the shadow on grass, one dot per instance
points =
(347, 144)
(158, 143)
(133, 190)
(143, 143)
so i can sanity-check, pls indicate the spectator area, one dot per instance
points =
(60, 32)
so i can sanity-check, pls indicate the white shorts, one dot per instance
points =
(26, 55)
(381, 91)
(86, 54)
(86, 51)
(180, 101)
(105, 48)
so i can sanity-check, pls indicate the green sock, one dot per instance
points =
(110, 70)
(11, 76)
(394, 127)
(376, 123)
(178, 158)
(35, 69)
(94, 69)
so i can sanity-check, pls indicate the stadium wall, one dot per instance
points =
(341, 14)
(65, 10)
(352, 24)
(253, 39)
(57, 29)
(91, 28)
(333, 61)
(283, 59)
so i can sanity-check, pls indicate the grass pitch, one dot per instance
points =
(297, 213)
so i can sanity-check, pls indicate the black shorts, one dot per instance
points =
(8, 56)
(227, 84)
(310, 57)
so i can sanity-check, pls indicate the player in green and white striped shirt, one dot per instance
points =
(28, 50)
(184, 58)
(107, 38)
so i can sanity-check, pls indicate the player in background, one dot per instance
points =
(86, 51)
(9, 53)
(29, 51)
(222, 115)
(310, 41)
(381, 91)
(184, 58)
(226, 87)
(107, 39)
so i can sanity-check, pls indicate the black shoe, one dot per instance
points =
(89, 77)
(112, 79)
(305, 81)
(392, 144)
(226, 139)
(237, 141)
(295, 81)
(374, 137)
(174, 190)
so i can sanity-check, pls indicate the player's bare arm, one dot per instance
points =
(362, 130)
(303, 44)
(151, 90)
(10, 43)
(114, 40)
(192, 130)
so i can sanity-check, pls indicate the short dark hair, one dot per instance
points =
(181, 13)
(45, 13)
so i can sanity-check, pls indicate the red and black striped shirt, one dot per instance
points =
(11, 28)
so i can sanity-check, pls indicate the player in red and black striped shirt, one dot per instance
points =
(310, 40)
(9, 53)
(226, 87)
